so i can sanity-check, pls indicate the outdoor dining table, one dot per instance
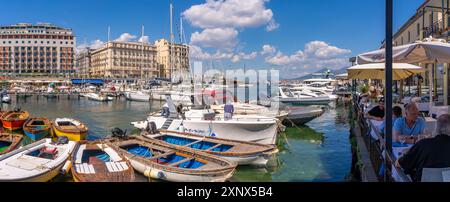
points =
(430, 124)
(398, 149)
(436, 175)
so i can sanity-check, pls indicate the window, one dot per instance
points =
(418, 29)
(409, 36)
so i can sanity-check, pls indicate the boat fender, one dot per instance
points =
(153, 173)
(65, 169)
(181, 128)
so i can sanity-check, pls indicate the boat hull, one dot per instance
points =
(36, 136)
(137, 97)
(263, 132)
(13, 125)
(302, 117)
(44, 177)
(297, 101)
(177, 177)
(72, 136)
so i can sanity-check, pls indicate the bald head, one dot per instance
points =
(443, 125)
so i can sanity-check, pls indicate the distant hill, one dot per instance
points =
(310, 76)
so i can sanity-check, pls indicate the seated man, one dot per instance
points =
(377, 113)
(428, 153)
(408, 129)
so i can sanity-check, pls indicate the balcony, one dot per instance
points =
(436, 30)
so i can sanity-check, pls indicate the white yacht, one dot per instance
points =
(302, 97)
(205, 122)
(98, 97)
(139, 96)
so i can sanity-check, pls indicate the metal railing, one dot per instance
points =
(434, 30)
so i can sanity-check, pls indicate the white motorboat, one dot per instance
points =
(205, 122)
(139, 96)
(37, 162)
(302, 97)
(302, 115)
(98, 97)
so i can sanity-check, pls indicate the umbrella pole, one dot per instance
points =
(430, 84)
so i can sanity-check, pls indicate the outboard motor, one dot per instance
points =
(17, 109)
(151, 128)
(62, 140)
(118, 133)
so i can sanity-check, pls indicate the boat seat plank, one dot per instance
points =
(79, 155)
(162, 155)
(124, 165)
(115, 167)
(192, 143)
(109, 167)
(182, 161)
(112, 154)
(81, 168)
(213, 147)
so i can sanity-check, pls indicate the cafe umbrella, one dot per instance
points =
(376, 71)
(429, 50)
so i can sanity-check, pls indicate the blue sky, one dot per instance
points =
(298, 36)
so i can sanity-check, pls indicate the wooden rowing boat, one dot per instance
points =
(161, 161)
(37, 162)
(9, 142)
(73, 129)
(14, 120)
(97, 162)
(37, 128)
(240, 152)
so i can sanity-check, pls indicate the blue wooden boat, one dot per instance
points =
(37, 128)
(239, 152)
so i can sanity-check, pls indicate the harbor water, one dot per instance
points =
(319, 151)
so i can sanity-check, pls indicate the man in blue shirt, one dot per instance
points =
(396, 114)
(408, 129)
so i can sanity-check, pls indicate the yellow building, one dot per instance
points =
(430, 20)
(124, 60)
(178, 62)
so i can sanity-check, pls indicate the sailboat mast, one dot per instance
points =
(142, 51)
(171, 41)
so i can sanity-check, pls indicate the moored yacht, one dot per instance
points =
(205, 122)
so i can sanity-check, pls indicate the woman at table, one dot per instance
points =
(410, 128)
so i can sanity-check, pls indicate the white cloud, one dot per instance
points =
(322, 50)
(125, 37)
(92, 45)
(215, 38)
(272, 26)
(243, 56)
(197, 53)
(146, 39)
(317, 54)
(268, 50)
(97, 44)
(230, 13)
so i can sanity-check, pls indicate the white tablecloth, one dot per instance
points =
(376, 124)
(430, 124)
(398, 152)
